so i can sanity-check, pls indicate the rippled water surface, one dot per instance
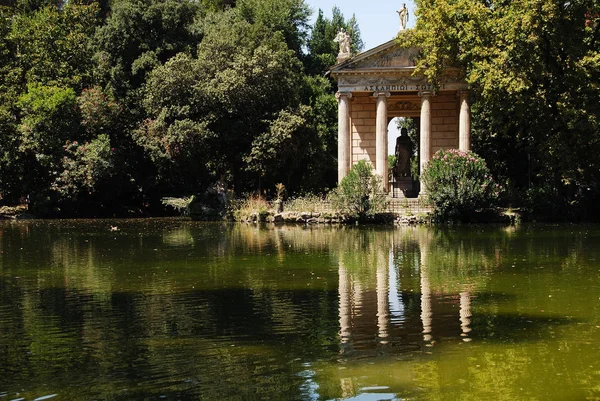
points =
(176, 310)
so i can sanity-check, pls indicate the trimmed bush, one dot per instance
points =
(458, 184)
(359, 194)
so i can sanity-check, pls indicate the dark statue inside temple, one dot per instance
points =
(404, 150)
(402, 182)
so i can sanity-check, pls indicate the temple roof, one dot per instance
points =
(387, 56)
(389, 67)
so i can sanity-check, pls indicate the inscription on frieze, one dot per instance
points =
(402, 106)
(396, 88)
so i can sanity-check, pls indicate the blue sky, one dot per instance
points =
(377, 19)
(378, 23)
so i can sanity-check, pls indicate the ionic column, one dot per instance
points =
(425, 141)
(345, 307)
(426, 309)
(381, 125)
(343, 133)
(464, 122)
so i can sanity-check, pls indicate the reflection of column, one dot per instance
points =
(345, 299)
(396, 305)
(425, 140)
(381, 125)
(347, 387)
(383, 314)
(426, 312)
(464, 122)
(343, 134)
(465, 314)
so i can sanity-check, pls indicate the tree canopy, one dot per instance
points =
(534, 68)
(108, 106)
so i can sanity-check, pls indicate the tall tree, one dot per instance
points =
(287, 16)
(534, 68)
(213, 107)
(139, 35)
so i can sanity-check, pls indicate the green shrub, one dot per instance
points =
(360, 192)
(84, 166)
(458, 183)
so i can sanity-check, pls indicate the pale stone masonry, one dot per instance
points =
(377, 86)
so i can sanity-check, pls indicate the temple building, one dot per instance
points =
(379, 85)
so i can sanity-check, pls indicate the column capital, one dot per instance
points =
(464, 94)
(383, 93)
(426, 94)
(339, 95)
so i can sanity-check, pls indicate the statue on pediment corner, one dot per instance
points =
(343, 39)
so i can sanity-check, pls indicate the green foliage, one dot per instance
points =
(240, 100)
(49, 119)
(281, 144)
(166, 83)
(11, 164)
(140, 35)
(534, 68)
(99, 111)
(84, 166)
(391, 161)
(53, 47)
(458, 183)
(360, 192)
(289, 17)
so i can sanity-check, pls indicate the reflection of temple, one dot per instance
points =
(395, 309)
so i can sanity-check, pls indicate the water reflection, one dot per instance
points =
(465, 315)
(371, 285)
(192, 311)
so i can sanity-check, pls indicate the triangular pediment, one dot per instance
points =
(386, 56)
(390, 67)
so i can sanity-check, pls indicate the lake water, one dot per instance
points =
(178, 310)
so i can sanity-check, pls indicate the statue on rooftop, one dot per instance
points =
(403, 14)
(343, 39)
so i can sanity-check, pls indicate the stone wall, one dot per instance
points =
(362, 123)
(444, 121)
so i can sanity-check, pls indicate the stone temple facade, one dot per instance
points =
(378, 85)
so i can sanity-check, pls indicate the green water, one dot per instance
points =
(176, 310)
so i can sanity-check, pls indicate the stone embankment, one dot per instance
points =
(310, 218)
(298, 218)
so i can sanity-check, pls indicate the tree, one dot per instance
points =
(534, 69)
(217, 104)
(53, 47)
(140, 35)
(182, 93)
(289, 17)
